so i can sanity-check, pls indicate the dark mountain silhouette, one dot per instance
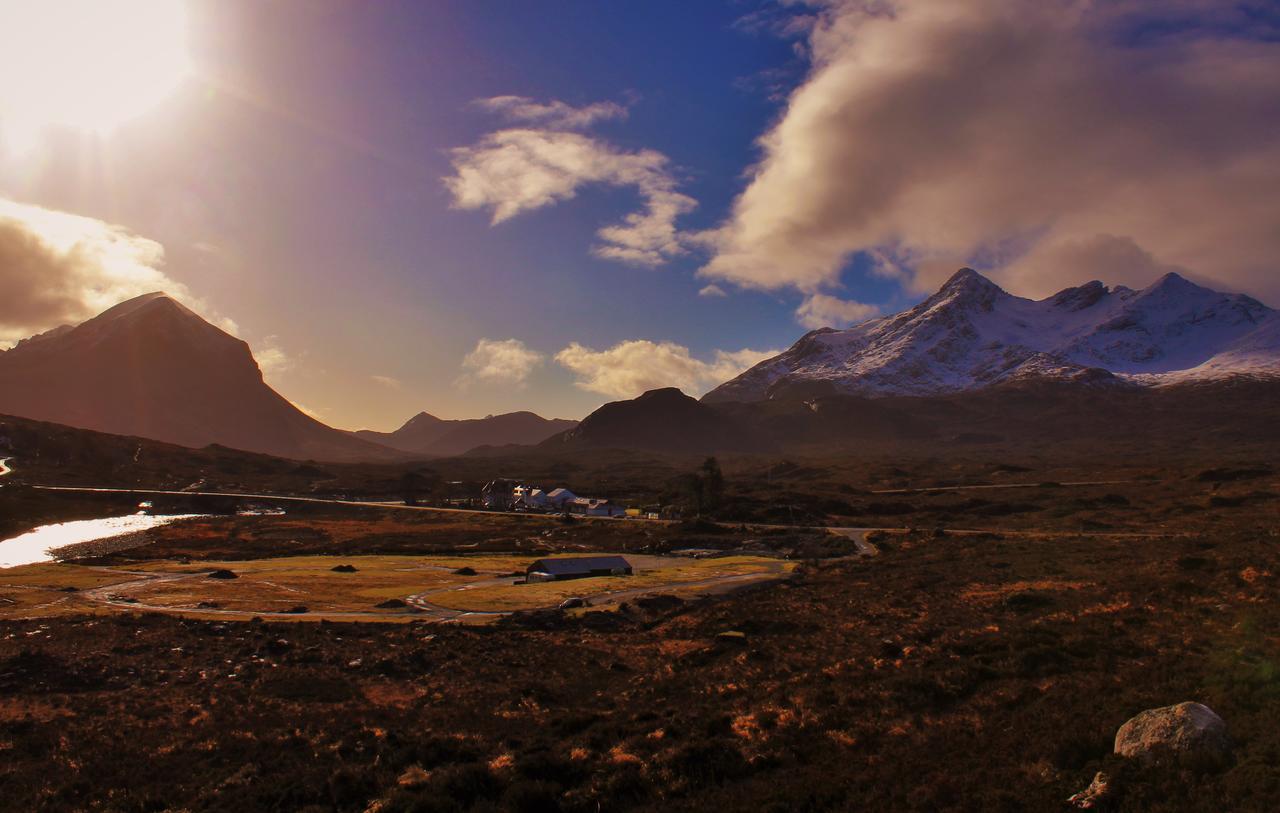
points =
(664, 420)
(428, 435)
(152, 368)
(1024, 415)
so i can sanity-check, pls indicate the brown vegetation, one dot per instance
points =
(953, 672)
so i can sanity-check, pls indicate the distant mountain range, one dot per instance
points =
(971, 364)
(971, 335)
(974, 365)
(436, 437)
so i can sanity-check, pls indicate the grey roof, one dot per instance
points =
(578, 564)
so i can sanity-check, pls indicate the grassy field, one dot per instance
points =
(686, 575)
(49, 589)
(309, 587)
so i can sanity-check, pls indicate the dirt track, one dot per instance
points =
(423, 609)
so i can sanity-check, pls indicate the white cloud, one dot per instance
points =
(387, 381)
(632, 367)
(522, 169)
(500, 361)
(555, 113)
(59, 268)
(711, 290)
(1036, 137)
(820, 310)
(271, 357)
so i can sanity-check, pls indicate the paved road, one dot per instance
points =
(555, 518)
(859, 538)
(321, 500)
(1075, 484)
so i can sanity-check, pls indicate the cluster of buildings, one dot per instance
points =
(510, 495)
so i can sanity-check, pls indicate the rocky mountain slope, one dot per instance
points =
(428, 435)
(152, 368)
(971, 335)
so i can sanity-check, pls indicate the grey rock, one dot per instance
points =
(1183, 728)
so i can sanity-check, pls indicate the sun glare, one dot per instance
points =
(88, 64)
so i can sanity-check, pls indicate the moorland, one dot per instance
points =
(982, 659)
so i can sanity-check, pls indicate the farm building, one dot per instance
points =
(577, 567)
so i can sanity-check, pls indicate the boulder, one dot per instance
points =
(1182, 729)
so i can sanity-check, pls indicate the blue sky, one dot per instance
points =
(296, 179)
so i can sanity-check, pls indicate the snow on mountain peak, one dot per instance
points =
(972, 334)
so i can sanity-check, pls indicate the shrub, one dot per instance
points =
(1026, 601)
(708, 762)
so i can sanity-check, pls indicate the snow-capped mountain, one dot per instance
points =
(972, 334)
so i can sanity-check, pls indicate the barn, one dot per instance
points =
(577, 567)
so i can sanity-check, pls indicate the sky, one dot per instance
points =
(471, 207)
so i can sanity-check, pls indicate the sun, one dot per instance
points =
(87, 64)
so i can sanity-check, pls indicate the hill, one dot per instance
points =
(663, 420)
(152, 368)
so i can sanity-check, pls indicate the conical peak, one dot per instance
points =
(967, 278)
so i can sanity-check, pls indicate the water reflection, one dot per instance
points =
(34, 546)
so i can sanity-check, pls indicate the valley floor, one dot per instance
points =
(985, 670)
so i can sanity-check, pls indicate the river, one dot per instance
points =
(35, 546)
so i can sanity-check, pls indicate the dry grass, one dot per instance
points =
(688, 574)
(278, 585)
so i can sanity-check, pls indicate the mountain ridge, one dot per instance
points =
(424, 433)
(972, 334)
